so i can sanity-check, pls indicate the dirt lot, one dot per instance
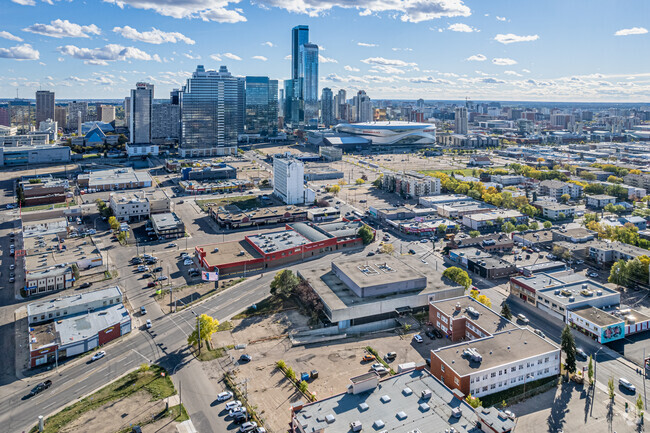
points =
(132, 410)
(335, 362)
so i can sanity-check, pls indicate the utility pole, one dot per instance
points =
(645, 402)
(170, 300)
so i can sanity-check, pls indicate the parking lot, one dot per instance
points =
(337, 361)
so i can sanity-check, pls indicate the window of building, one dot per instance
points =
(493, 375)
(513, 369)
(493, 386)
(500, 373)
(539, 361)
(546, 359)
(442, 368)
(521, 366)
(485, 377)
(456, 381)
(471, 380)
(485, 388)
(513, 380)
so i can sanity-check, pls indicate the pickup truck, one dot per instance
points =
(40, 387)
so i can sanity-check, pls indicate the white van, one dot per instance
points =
(523, 319)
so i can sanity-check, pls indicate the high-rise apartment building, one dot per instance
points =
(339, 102)
(460, 123)
(44, 106)
(77, 112)
(327, 107)
(60, 116)
(301, 91)
(165, 121)
(362, 107)
(106, 113)
(299, 37)
(175, 97)
(289, 180)
(212, 113)
(141, 106)
(127, 111)
(5, 119)
(261, 106)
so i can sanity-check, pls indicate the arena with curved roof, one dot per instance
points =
(391, 133)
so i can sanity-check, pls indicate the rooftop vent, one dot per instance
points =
(401, 415)
(407, 391)
(385, 398)
(363, 406)
(330, 418)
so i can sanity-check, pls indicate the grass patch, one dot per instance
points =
(46, 207)
(380, 359)
(464, 171)
(244, 202)
(225, 326)
(532, 388)
(210, 354)
(148, 378)
(178, 413)
(267, 306)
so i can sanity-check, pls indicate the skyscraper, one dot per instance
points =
(140, 119)
(299, 36)
(339, 100)
(212, 113)
(127, 111)
(327, 107)
(261, 106)
(460, 123)
(165, 121)
(308, 70)
(362, 107)
(44, 106)
(60, 116)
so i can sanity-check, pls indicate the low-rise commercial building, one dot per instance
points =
(232, 217)
(507, 179)
(482, 263)
(599, 201)
(597, 324)
(434, 201)
(32, 155)
(167, 225)
(216, 171)
(330, 153)
(114, 179)
(321, 214)
(479, 160)
(43, 190)
(424, 226)
(489, 221)
(459, 209)
(139, 205)
(51, 279)
(540, 238)
(194, 187)
(577, 235)
(315, 172)
(413, 401)
(490, 243)
(64, 327)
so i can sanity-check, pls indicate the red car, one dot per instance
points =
(151, 284)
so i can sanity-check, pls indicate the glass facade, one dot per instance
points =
(140, 113)
(261, 106)
(212, 113)
(309, 77)
(299, 36)
(327, 107)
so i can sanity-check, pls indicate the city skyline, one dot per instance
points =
(442, 49)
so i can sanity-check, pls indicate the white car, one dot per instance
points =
(223, 396)
(248, 426)
(148, 323)
(188, 262)
(418, 338)
(627, 385)
(523, 319)
(98, 355)
(593, 275)
(378, 368)
(236, 410)
(171, 244)
(233, 404)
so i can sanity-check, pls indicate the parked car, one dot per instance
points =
(245, 358)
(368, 358)
(151, 284)
(223, 396)
(157, 269)
(162, 278)
(146, 275)
(438, 333)
(391, 355)
(233, 404)
(188, 262)
(248, 426)
(237, 410)
(423, 241)
(540, 333)
(418, 338)
(523, 319)
(431, 335)
(371, 253)
(85, 285)
(143, 310)
(40, 387)
(592, 274)
(12, 266)
(172, 245)
(581, 353)
(627, 385)
(148, 324)
(98, 355)
(411, 251)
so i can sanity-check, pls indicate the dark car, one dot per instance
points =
(245, 358)
(438, 333)
(136, 429)
(146, 275)
(431, 335)
(371, 253)
(240, 418)
(151, 284)
(412, 251)
(136, 260)
(158, 269)
(40, 387)
(85, 285)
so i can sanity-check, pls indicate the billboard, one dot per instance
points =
(612, 332)
(210, 276)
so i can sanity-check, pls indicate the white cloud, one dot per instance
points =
(526, 71)
(20, 52)
(207, 10)
(460, 27)
(387, 62)
(268, 44)
(25, 2)
(363, 44)
(108, 53)
(491, 80)
(351, 68)
(154, 36)
(408, 10)
(514, 73)
(216, 57)
(476, 58)
(501, 61)
(333, 77)
(231, 56)
(402, 49)
(501, 18)
(632, 31)
(323, 59)
(511, 38)
(427, 80)
(387, 69)
(192, 56)
(262, 58)
(7, 35)
(63, 29)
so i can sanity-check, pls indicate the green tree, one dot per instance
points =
(611, 388)
(458, 276)
(561, 215)
(114, 223)
(291, 375)
(284, 283)
(366, 235)
(618, 273)
(505, 311)
(442, 229)
(564, 198)
(207, 326)
(303, 387)
(521, 228)
(609, 207)
(508, 228)
(534, 225)
(474, 233)
(548, 224)
(614, 179)
(359, 181)
(568, 345)
(281, 364)
(475, 402)
(639, 406)
(334, 189)
(590, 370)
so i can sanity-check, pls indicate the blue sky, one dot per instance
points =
(564, 50)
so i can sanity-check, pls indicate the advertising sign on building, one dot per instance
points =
(210, 276)
(612, 332)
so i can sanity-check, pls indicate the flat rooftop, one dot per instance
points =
(577, 233)
(487, 319)
(489, 216)
(165, 221)
(115, 176)
(48, 252)
(540, 236)
(341, 229)
(278, 241)
(496, 350)
(381, 408)
(561, 287)
(232, 212)
(337, 295)
(597, 316)
(43, 307)
(311, 233)
(229, 252)
(379, 269)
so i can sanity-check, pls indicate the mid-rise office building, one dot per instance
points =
(327, 107)
(288, 180)
(460, 123)
(60, 116)
(212, 113)
(44, 106)
(261, 106)
(140, 119)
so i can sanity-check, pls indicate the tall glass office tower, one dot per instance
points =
(212, 113)
(140, 113)
(301, 92)
(309, 75)
(261, 106)
(327, 107)
(299, 36)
